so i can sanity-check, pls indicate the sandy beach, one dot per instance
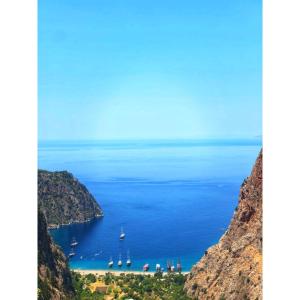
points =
(115, 272)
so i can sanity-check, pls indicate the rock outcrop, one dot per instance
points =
(232, 269)
(54, 277)
(64, 200)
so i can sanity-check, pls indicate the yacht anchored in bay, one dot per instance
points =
(128, 262)
(122, 234)
(120, 261)
(179, 266)
(110, 263)
(72, 253)
(146, 268)
(74, 243)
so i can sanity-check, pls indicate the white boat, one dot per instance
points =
(168, 266)
(74, 243)
(146, 267)
(120, 261)
(72, 253)
(122, 234)
(110, 263)
(128, 261)
(179, 267)
(158, 268)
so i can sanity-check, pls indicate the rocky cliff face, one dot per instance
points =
(54, 277)
(64, 200)
(232, 269)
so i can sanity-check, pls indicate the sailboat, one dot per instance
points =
(146, 268)
(110, 263)
(72, 253)
(74, 243)
(179, 267)
(128, 262)
(122, 234)
(168, 266)
(158, 268)
(172, 267)
(120, 261)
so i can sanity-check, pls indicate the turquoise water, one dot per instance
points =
(174, 199)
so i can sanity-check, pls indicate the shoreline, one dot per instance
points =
(57, 226)
(118, 272)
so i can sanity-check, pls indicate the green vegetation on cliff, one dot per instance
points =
(64, 200)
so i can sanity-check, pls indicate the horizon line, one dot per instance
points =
(257, 137)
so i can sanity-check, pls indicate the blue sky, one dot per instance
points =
(149, 69)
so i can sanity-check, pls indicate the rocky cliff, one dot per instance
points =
(232, 269)
(54, 277)
(64, 200)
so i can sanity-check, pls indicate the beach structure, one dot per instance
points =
(101, 289)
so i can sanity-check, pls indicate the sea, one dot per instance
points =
(173, 198)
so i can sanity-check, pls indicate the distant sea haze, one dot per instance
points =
(174, 198)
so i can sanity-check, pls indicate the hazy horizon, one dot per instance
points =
(211, 138)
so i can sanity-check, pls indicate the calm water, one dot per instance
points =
(173, 198)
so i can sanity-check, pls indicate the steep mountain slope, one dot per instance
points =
(54, 277)
(232, 269)
(64, 200)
